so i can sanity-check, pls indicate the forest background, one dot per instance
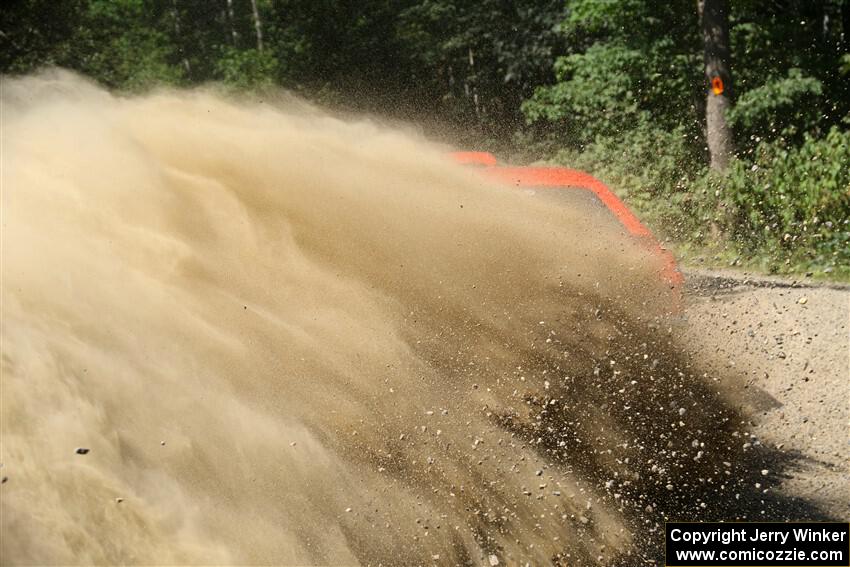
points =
(756, 175)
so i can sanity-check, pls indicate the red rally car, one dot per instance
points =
(568, 185)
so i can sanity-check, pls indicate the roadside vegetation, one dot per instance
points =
(622, 89)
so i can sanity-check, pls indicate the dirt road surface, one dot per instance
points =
(785, 346)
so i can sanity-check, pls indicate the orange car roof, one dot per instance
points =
(474, 158)
(565, 178)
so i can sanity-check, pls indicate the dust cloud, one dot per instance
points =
(291, 339)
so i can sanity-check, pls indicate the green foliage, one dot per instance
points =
(487, 56)
(36, 32)
(121, 43)
(247, 69)
(794, 201)
(612, 88)
(653, 169)
(784, 105)
(135, 61)
(596, 93)
(628, 105)
(604, 16)
(615, 87)
(786, 207)
(633, 73)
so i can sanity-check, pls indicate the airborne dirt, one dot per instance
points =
(785, 346)
(244, 334)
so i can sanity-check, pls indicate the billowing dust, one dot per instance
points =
(289, 339)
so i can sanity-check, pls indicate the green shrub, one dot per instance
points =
(247, 69)
(783, 106)
(785, 208)
(596, 93)
(127, 57)
(652, 169)
(612, 88)
(793, 203)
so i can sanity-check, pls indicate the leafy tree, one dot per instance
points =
(246, 69)
(488, 56)
(131, 56)
(635, 63)
(38, 32)
(617, 87)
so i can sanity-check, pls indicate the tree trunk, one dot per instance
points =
(714, 18)
(231, 19)
(845, 25)
(175, 18)
(258, 25)
(474, 88)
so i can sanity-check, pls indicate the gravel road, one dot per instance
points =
(785, 349)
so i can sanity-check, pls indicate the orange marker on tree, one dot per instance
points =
(717, 85)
